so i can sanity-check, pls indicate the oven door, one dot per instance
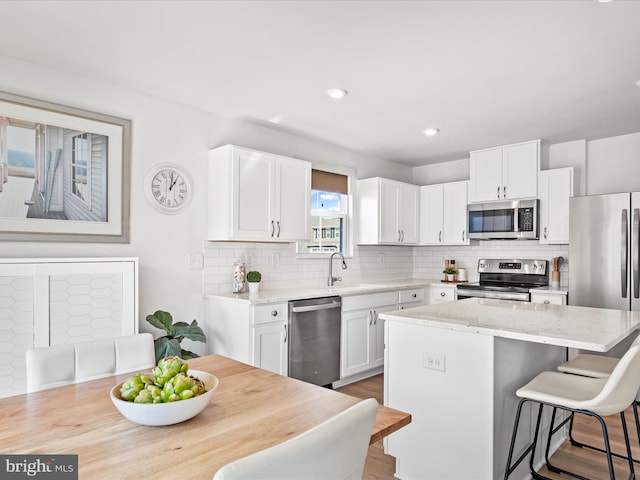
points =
(472, 293)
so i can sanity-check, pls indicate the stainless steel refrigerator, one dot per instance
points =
(604, 251)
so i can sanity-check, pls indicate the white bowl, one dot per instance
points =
(155, 414)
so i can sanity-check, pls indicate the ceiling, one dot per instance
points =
(486, 73)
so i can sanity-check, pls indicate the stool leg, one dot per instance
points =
(635, 416)
(627, 445)
(531, 448)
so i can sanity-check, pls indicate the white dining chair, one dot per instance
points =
(57, 365)
(334, 450)
(596, 397)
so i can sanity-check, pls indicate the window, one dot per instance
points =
(329, 215)
(80, 163)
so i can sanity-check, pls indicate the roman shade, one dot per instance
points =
(329, 182)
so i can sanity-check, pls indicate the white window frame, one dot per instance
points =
(73, 166)
(349, 223)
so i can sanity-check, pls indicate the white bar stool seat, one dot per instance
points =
(596, 397)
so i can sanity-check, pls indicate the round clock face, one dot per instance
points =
(168, 188)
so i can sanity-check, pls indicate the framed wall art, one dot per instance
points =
(64, 173)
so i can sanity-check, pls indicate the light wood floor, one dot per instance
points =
(583, 461)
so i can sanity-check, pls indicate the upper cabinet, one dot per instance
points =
(555, 188)
(443, 214)
(387, 212)
(258, 196)
(504, 173)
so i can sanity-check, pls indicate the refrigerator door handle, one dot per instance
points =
(636, 252)
(624, 252)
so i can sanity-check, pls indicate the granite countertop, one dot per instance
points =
(343, 290)
(594, 329)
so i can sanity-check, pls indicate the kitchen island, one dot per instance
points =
(456, 366)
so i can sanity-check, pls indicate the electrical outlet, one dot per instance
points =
(433, 361)
(196, 261)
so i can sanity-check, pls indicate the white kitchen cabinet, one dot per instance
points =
(504, 173)
(387, 212)
(256, 334)
(258, 196)
(443, 214)
(410, 298)
(53, 301)
(555, 187)
(362, 337)
(559, 298)
(442, 294)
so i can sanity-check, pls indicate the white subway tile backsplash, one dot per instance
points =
(364, 266)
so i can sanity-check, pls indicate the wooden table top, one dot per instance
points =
(251, 410)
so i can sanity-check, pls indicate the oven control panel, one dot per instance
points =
(496, 265)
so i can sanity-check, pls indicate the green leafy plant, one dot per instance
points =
(253, 276)
(450, 271)
(169, 344)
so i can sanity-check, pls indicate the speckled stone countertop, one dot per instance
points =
(299, 293)
(594, 329)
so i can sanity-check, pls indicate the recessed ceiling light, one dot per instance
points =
(430, 132)
(638, 84)
(605, 1)
(337, 93)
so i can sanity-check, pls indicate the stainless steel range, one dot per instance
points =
(506, 279)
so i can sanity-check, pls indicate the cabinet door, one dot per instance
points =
(520, 171)
(408, 213)
(431, 214)
(270, 347)
(293, 192)
(555, 188)
(389, 211)
(455, 213)
(377, 335)
(485, 173)
(356, 342)
(253, 195)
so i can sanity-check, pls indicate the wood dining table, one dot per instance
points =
(252, 409)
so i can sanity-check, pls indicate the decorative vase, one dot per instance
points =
(451, 277)
(254, 287)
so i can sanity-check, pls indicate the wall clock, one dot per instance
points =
(168, 188)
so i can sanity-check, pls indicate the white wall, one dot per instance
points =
(167, 132)
(445, 172)
(613, 164)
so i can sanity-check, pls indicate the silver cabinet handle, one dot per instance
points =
(546, 301)
(545, 233)
(375, 317)
(370, 318)
(415, 295)
(286, 333)
(274, 313)
(402, 240)
(498, 194)
(273, 228)
(504, 192)
(398, 235)
(624, 252)
(463, 235)
(278, 222)
(442, 294)
(440, 236)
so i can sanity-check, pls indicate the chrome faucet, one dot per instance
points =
(331, 277)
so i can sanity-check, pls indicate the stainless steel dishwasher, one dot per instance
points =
(314, 340)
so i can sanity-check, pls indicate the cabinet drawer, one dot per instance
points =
(372, 300)
(442, 294)
(412, 295)
(549, 298)
(274, 312)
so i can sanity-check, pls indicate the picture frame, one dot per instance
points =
(64, 173)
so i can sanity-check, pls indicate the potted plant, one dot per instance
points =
(169, 344)
(451, 273)
(253, 279)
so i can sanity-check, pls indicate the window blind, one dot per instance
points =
(329, 182)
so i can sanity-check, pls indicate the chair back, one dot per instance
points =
(57, 365)
(334, 450)
(621, 387)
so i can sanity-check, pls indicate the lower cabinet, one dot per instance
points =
(362, 339)
(249, 333)
(549, 298)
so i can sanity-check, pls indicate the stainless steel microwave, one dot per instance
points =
(517, 220)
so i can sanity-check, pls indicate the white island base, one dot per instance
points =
(456, 367)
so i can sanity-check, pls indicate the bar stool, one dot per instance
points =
(596, 397)
(596, 366)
